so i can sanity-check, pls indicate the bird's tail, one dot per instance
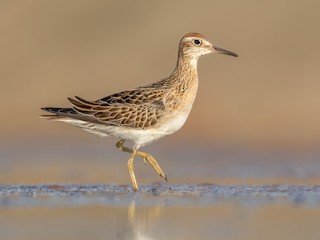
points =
(57, 114)
(79, 111)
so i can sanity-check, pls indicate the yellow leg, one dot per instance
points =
(146, 157)
(131, 170)
(153, 163)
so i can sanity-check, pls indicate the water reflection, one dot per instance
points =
(185, 212)
(141, 222)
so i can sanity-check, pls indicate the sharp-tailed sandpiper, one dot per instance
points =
(144, 114)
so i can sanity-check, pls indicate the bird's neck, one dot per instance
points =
(186, 71)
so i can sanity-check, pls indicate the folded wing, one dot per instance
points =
(132, 109)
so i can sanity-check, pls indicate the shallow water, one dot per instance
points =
(81, 190)
(159, 212)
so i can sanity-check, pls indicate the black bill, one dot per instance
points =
(223, 51)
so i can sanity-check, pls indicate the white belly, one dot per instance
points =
(145, 136)
(137, 136)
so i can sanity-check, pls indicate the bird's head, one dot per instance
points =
(195, 45)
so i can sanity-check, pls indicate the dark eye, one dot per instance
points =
(197, 42)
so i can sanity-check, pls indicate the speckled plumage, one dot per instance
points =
(146, 113)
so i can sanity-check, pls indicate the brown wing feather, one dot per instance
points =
(136, 97)
(134, 109)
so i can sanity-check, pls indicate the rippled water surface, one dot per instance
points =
(159, 212)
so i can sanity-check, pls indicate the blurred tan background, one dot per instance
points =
(267, 99)
(256, 119)
(270, 95)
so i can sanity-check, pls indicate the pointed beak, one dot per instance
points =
(223, 51)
